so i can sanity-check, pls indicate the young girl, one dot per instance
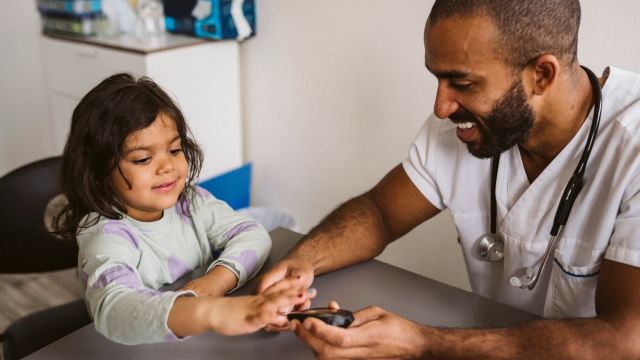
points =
(128, 170)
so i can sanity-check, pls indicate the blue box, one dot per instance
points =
(70, 7)
(211, 19)
(232, 187)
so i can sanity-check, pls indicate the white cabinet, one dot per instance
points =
(202, 76)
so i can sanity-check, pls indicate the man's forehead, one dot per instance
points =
(457, 45)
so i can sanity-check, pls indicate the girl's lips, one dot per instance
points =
(168, 186)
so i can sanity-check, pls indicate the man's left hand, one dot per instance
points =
(374, 334)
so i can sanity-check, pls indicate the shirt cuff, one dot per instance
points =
(170, 336)
(231, 267)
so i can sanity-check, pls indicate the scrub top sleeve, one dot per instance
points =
(624, 245)
(421, 163)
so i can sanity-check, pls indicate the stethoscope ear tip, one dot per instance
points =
(515, 282)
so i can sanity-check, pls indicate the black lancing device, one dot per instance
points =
(336, 317)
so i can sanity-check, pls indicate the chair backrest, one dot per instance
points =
(25, 244)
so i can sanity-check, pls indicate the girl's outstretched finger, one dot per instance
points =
(287, 299)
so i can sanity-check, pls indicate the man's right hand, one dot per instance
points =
(295, 267)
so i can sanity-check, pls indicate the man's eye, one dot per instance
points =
(142, 161)
(175, 152)
(462, 86)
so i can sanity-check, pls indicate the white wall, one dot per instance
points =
(24, 119)
(334, 92)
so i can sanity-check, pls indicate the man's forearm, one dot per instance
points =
(352, 233)
(540, 339)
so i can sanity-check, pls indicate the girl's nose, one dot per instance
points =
(165, 165)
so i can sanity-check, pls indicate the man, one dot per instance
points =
(509, 86)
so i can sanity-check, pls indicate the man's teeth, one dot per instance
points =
(465, 125)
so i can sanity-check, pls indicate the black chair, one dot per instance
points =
(26, 246)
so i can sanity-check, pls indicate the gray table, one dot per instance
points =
(371, 283)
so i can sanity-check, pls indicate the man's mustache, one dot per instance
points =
(461, 116)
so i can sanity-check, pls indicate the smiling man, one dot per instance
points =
(513, 108)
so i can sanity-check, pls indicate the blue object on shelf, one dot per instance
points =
(232, 187)
(211, 19)
(70, 7)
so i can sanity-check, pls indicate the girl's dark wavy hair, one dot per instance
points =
(100, 124)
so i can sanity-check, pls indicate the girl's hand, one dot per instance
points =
(298, 268)
(217, 282)
(247, 314)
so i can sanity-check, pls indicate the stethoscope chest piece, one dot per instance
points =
(490, 247)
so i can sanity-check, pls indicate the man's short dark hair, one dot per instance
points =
(527, 28)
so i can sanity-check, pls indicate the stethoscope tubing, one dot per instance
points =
(575, 184)
(569, 195)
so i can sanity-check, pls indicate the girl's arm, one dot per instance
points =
(123, 309)
(242, 244)
(236, 315)
(217, 282)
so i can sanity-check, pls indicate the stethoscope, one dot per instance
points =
(491, 248)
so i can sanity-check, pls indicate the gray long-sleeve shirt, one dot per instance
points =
(124, 262)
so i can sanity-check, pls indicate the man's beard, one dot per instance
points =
(509, 123)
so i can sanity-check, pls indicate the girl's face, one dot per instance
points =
(155, 166)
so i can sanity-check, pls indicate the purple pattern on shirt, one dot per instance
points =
(114, 227)
(182, 207)
(243, 226)
(248, 259)
(119, 274)
(171, 337)
(203, 193)
(177, 268)
(84, 277)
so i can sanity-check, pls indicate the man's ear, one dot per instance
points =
(544, 73)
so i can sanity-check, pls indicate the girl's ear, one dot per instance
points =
(543, 73)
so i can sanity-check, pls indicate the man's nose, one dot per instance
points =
(445, 104)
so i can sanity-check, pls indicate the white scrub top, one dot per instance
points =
(604, 222)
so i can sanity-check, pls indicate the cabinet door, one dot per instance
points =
(75, 68)
(205, 81)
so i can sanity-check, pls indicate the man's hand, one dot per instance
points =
(295, 268)
(290, 268)
(375, 334)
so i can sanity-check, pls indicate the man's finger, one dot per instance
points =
(277, 328)
(337, 336)
(268, 280)
(282, 285)
(363, 316)
(324, 348)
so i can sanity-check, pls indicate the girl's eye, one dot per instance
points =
(142, 161)
(175, 152)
